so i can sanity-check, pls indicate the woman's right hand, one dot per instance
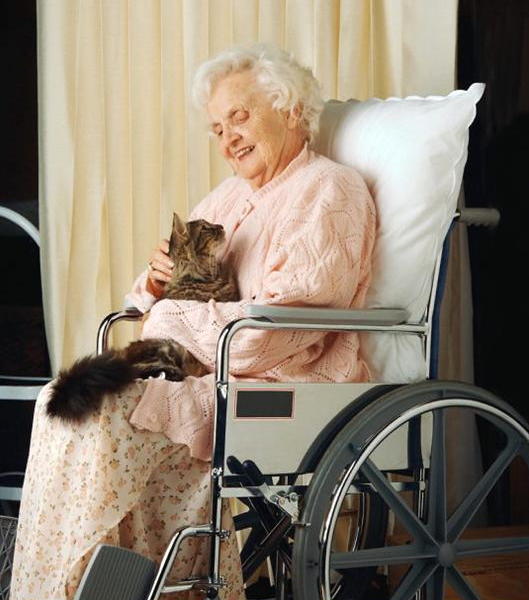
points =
(160, 269)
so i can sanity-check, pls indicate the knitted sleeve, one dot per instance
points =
(319, 256)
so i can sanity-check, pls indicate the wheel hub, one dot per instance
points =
(447, 555)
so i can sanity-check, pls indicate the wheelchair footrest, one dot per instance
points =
(116, 574)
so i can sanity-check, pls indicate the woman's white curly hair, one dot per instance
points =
(282, 78)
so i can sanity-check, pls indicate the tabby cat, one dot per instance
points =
(197, 275)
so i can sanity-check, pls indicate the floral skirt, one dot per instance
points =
(103, 481)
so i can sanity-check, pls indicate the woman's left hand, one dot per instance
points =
(160, 269)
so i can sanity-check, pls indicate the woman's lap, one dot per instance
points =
(105, 481)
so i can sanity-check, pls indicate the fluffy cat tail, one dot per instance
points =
(79, 390)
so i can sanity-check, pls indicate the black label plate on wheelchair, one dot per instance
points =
(264, 404)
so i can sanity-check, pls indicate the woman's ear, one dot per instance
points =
(294, 116)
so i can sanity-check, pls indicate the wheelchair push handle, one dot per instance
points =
(481, 217)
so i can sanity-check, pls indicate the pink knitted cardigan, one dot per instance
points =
(303, 239)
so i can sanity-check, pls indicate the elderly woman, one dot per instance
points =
(299, 231)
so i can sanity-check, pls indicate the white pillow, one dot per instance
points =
(412, 153)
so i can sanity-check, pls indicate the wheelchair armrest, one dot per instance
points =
(129, 314)
(329, 316)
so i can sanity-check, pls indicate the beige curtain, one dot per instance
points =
(121, 147)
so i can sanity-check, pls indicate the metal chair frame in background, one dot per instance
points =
(16, 389)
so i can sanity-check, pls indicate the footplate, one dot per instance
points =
(115, 573)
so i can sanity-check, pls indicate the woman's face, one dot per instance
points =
(257, 140)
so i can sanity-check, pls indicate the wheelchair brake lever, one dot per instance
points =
(253, 472)
(287, 503)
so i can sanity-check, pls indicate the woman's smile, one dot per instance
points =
(243, 152)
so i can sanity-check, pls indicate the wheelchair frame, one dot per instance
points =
(279, 509)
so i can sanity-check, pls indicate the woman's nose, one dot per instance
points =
(230, 135)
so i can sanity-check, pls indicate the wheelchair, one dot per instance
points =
(326, 470)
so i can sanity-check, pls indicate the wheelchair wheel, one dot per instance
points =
(435, 538)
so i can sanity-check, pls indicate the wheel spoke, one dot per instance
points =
(395, 502)
(491, 546)
(414, 579)
(468, 507)
(460, 585)
(389, 555)
(437, 479)
(435, 586)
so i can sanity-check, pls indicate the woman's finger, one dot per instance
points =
(163, 249)
(159, 272)
(160, 259)
(160, 269)
(162, 264)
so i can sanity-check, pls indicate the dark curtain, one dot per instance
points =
(493, 47)
(23, 349)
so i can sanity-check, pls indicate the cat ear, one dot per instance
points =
(195, 231)
(179, 228)
(178, 236)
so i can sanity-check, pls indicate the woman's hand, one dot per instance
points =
(160, 269)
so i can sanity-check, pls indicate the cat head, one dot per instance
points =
(194, 240)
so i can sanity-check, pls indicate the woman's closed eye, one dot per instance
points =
(237, 117)
(240, 116)
(216, 131)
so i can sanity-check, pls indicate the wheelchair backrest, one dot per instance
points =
(412, 154)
